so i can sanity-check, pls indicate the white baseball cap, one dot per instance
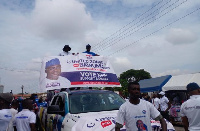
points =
(162, 93)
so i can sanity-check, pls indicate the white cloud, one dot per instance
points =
(37, 60)
(43, 30)
(181, 36)
(61, 19)
(120, 64)
(169, 72)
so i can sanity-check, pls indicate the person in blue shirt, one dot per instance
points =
(88, 48)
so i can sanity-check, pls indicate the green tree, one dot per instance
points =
(126, 76)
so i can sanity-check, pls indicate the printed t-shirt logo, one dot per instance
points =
(144, 111)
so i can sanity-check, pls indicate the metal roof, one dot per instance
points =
(153, 84)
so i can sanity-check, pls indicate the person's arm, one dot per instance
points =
(185, 123)
(32, 122)
(162, 122)
(32, 126)
(169, 106)
(14, 127)
(118, 126)
(120, 118)
(159, 107)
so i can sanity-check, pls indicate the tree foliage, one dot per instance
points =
(136, 74)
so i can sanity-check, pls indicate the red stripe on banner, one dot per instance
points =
(94, 83)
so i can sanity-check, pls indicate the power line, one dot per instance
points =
(127, 25)
(16, 70)
(156, 31)
(129, 33)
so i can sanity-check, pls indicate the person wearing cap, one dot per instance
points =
(165, 105)
(53, 79)
(66, 50)
(25, 120)
(5, 113)
(156, 101)
(136, 113)
(88, 48)
(190, 110)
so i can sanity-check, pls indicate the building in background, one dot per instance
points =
(1, 88)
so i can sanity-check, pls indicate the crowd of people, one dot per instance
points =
(19, 114)
(140, 110)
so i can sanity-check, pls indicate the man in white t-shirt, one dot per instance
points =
(53, 79)
(156, 101)
(137, 113)
(190, 110)
(165, 105)
(25, 120)
(5, 113)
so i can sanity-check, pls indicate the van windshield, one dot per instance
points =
(94, 102)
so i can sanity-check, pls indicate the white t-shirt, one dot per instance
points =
(23, 119)
(14, 112)
(65, 53)
(163, 103)
(135, 116)
(61, 82)
(191, 109)
(156, 102)
(5, 118)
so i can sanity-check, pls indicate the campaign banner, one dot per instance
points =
(81, 70)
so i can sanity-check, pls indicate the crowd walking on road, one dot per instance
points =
(135, 114)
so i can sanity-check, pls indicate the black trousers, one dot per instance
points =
(165, 114)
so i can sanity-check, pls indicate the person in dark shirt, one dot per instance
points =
(88, 48)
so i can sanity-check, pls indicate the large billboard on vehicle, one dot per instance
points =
(81, 70)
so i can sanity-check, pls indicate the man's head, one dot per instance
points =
(27, 104)
(134, 90)
(88, 47)
(15, 104)
(193, 89)
(5, 100)
(53, 69)
(66, 48)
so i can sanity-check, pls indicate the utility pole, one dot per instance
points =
(22, 90)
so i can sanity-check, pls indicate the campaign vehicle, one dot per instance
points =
(85, 109)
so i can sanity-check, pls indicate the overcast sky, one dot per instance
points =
(159, 36)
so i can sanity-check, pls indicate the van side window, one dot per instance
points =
(58, 100)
